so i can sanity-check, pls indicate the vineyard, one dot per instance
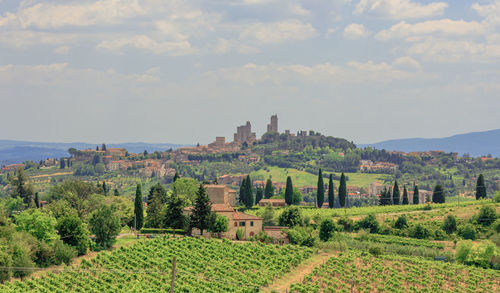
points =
(363, 272)
(201, 266)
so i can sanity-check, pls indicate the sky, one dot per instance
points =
(182, 71)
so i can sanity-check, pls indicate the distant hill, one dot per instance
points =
(13, 151)
(474, 143)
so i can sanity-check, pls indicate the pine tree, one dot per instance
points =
(62, 163)
(200, 216)
(405, 195)
(258, 195)
(174, 216)
(269, 190)
(480, 187)
(249, 192)
(416, 197)
(342, 190)
(438, 194)
(176, 176)
(138, 207)
(320, 197)
(395, 193)
(289, 191)
(331, 195)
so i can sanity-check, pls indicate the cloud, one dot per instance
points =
(330, 31)
(63, 50)
(443, 27)
(144, 42)
(407, 64)
(400, 9)
(224, 46)
(355, 31)
(278, 32)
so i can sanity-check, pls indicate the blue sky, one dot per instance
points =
(187, 71)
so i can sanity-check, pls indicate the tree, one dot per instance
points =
(416, 198)
(248, 192)
(103, 147)
(290, 217)
(480, 187)
(104, 188)
(185, 189)
(342, 190)
(450, 224)
(405, 195)
(326, 230)
(5, 261)
(320, 196)
(138, 207)
(176, 176)
(40, 224)
(105, 225)
(200, 216)
(37, 200)
(243, 191)
(487, 215)
(62, 163)
(269, 189)
(174, 215)
(369, 222)
(438, 194)
(21, 189)
(395, 193)
(258, 195)
(297, 196)
(220, 225)
(157, 198)
(331, 195)
(268, 216)
(74, 232)
(401, 222)
(289, 191)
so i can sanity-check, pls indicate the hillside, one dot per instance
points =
(474, 143)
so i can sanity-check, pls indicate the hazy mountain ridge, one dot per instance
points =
(13, 151)
(475, 143)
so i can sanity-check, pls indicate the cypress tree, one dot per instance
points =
(395, 193)
(258, 195)
(104, 188)
(62, 163)
(249, 192)
(383, 199)
(176, 176)
(480, 187)
(342, 190)
(438, 194)
(405, 195)
(416, 197)
(200, 217)
(320, 197)
(37, 200)
(103, 148)
(138, 207)
(269, 190)
(243, 191)
(331, 199)
(289, 191)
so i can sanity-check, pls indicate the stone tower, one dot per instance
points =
(273, 126)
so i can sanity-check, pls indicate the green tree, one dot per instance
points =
(416, 198)
(38, 223)
(450, 224)
(438, 194)
(385, 197)
(157, 199)
(326, 230)
(289, 191)
(291, 216)
(37, 200)
(138, 207)
(21, 189)
(370, 223)
(320, 196)
(200, 216)
(480, 187)
(5, 261)
(258, 195)
(185, 189)
(297, 196)
(103, 147)
(104, 188)
(220, 225)
(331, 195)
(401, 222)
(268, 216)
(487, 215)
(395, 193)
(269, 189)
(405, 195)
(105, 225)
(62, 163)
(248, 192)
(174, 215)
(243, 191)
(74, 232)
(342, 190)
(176, 176)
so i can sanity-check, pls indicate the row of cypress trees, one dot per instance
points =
(320, 197)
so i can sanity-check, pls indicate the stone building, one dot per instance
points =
(273, 126)
(244, 134)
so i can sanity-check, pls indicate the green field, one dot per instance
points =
(302, 178)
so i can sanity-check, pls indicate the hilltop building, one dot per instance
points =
(273, 126)
(244, 134)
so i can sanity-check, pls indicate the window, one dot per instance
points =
(242, 224)
(251, 223)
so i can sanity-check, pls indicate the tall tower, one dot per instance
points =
(273, 126)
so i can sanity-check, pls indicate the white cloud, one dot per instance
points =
(400, 9)
(355, 31)
(298, 10)
(224, 46)
(63, 50)
(144, 42)
(278, 32)
(443, 27)
(407, 64)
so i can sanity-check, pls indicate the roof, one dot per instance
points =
(272, 200)
(279, 228)
(243, 216)
(222, 207)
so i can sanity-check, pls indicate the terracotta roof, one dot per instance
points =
(222, 207)
(243, 216)
(275, 228)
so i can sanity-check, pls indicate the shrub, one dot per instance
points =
(369, 222)
(63, 253)
(467, 231)
(496, 197)
(427, 207)
(483, 255)
(419, 232)
(496, 225)
(290, 217)
(326, 230)
(375, 250)
(450, 224)
(239, 234)
(346, 223)
(301, 236)
(487, 215)
(5, 261)
(401, 222)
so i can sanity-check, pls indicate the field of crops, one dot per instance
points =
(202, 266)
(363, 272)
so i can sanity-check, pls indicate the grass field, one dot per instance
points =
(302, 178)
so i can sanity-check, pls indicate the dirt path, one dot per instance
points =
(297, 274)
(52, 174)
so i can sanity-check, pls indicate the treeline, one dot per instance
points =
(224, 157)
